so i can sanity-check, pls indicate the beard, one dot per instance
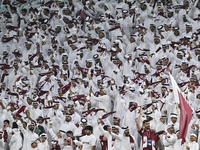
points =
(147, 127)
(31, 129)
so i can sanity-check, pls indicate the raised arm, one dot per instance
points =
(138, 120)
(116, 136)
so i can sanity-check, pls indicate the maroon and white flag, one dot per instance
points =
(185, 110)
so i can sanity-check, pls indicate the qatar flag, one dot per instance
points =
(185, 110)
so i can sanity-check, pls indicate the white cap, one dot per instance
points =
(173, 115)
(193, 135)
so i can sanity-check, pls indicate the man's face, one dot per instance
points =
(88, 132)
(173, 119)
(101, 34)
(176, 33)
(192, 138)
(198, 116)
(65, 110)
(60, 84)
(126, 132)
(16, 66)
(197, 52)
(132, 11)
(156, 41)
(65, 66)
(179, 56)
(166, 28)
(71, 110)
(73, 83)
(199, 58)
(143, 7)
(146, 70)
(171, 129)
(132, 39)
(198, 5)
(115, 122)
(24, 125)
(61, 4)
(184, 19)
(70, 2)
(66, 142)
(101, 91)
(6, 124)
(124, 15)
(86, 84)
(159, 67)
(188, 29)
(59, 135)
(90, 46)
(34, 145)
(109, 129)
(88, 64)
(170, 14)
(28, 46)
(83, 125)
(58, 29)
(163, 120)
(44, 27)
(185, 3)
(89, 105)
(56, 106)
(165, 61)
(115, 130)
(3, 86)
(113, 53)
(61, 50)
(68, 118)
(163, 91)
(35, 105)
(152, 28)
(184, 66)
(31, 127)
(24, 13)
(84, 2)
(42, 139)
(147, 125)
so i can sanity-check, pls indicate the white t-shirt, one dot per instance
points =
(88, 142)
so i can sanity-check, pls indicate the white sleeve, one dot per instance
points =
(21, 128)
(96, 98)
(78, 143)
(53, 135)
(116, 136)
(2, 143)
(105, 133)
(125, 39)
(93, 142)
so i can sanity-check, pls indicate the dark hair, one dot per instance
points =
(106, 127)
(6, 121)
(24, 10)
(14, 125)
(25, 123)
(145, 121)
(69, 132)
(13, 8)
(47, 10)
(164, 87)
(88, 127)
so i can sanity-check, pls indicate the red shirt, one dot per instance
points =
(149, 139)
